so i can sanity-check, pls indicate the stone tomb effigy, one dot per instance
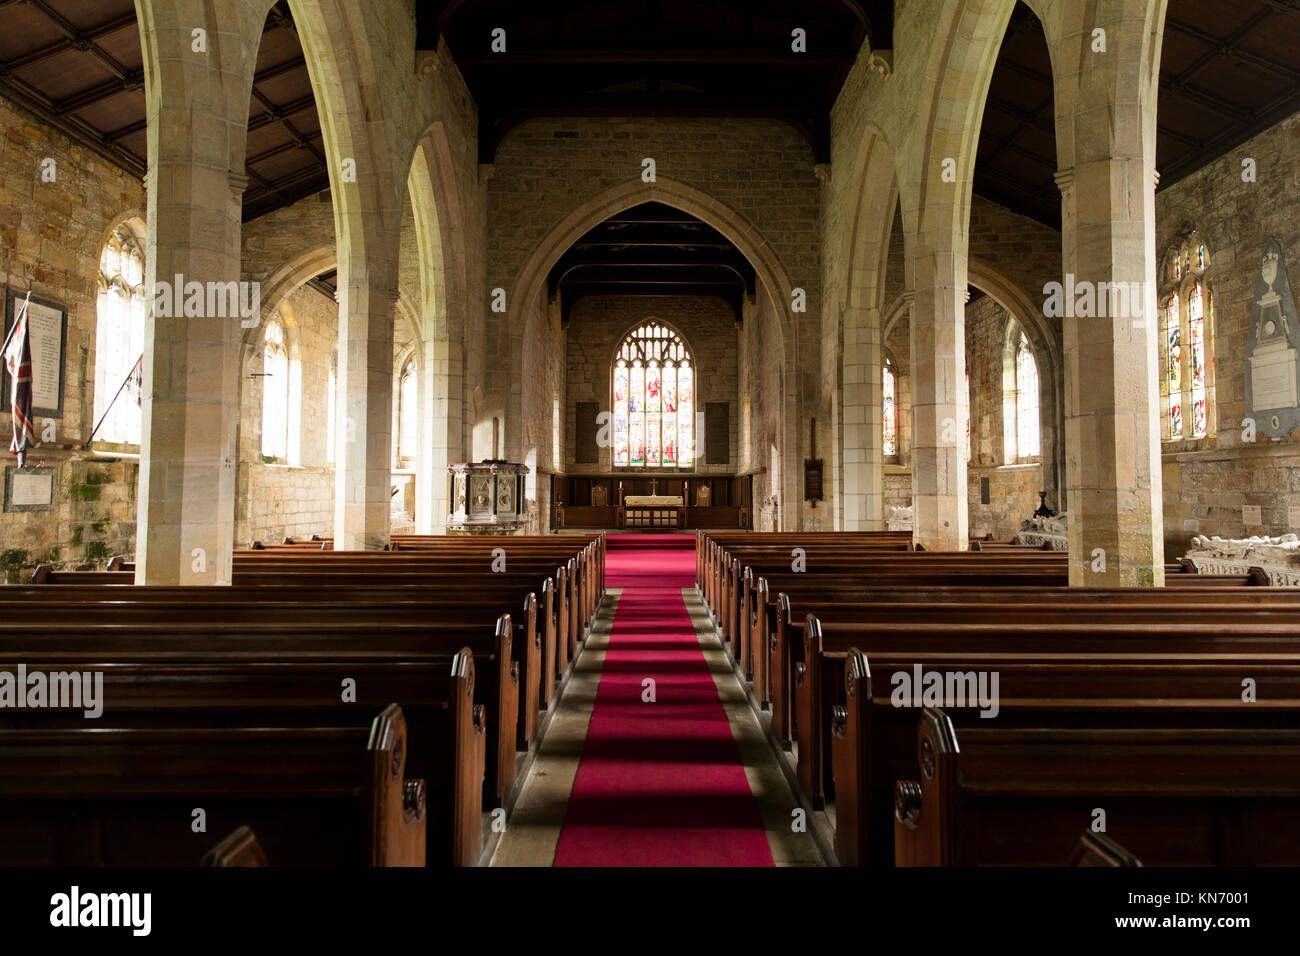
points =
(1279, 557)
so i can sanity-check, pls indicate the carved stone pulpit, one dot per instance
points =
(486, 497)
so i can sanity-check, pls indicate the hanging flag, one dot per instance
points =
(135, 381)
(18, 363)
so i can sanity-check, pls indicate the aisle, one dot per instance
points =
(684, 780)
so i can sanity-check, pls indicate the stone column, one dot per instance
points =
(363, 476)
(939, 403)
(186, 511)
(860, 428)
(440, 432)
(1112, 427)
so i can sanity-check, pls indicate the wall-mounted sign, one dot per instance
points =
(29, 489)
(48, 329)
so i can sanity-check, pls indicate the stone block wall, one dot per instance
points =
(597, 325)
(1207, 482)
(51, 237)
(295, 498)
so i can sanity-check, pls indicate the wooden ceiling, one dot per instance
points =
(655, 58)
(1227, 74)
(652, 249)
(76, 64)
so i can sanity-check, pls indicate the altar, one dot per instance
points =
(652, 511)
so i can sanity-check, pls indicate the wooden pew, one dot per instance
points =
(1184, 797)
(777, 622)
(285, 669)
(1021, 632)
(125, 796)
(871, 736)
(553, 616)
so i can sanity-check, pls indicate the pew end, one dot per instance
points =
(1097, 849)
(397, 804)
(240, 848)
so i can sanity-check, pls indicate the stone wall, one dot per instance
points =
(293, 499)
(547, 170)
(51, 237)
(1208, 482)
(596, 326)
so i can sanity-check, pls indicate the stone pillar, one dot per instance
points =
(939, 404)
(1112, 427)
(186, 511)
(860, 421)
(363, 476)
(440, 432)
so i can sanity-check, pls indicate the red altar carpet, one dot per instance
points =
(660, 784)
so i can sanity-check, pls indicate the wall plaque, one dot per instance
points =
(1272, 380)
(48, 328)
(29, 489)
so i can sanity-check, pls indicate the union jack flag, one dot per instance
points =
(18, 363)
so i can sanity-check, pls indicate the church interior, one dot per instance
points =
(857, 433)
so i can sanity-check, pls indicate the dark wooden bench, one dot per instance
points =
(327, 796)
(1018, 796)
(871, 735)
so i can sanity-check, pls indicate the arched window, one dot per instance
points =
(1174, 365)
(1196, 326)
(1187, 386)
(1021, 426)
(889, 416)
(275, 394)
(119, 337)
(654, 400)
(1027, 425)
(408, 411)
(331, 410)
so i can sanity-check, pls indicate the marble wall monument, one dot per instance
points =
(1272, 353)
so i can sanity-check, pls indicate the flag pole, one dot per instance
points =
(14, 328)
(111, 403)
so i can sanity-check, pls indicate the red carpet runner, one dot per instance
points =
(660, 784)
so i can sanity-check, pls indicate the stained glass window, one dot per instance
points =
(275, 394)
(654, 400)
(1027, 424)
(890, 410)
(1196, 336)
(119, 337)
(1174, 364)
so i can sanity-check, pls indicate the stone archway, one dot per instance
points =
(523, 314)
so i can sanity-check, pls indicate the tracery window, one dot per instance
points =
(119, 338)
(275, 393)
(653, 380)
(1187, 346)
(408, 412)
(889, 416)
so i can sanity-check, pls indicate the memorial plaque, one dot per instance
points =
(1252, 516)
(1272, 381)
(48, 329)
(29, 489)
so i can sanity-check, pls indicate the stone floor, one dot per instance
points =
(533, 830)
